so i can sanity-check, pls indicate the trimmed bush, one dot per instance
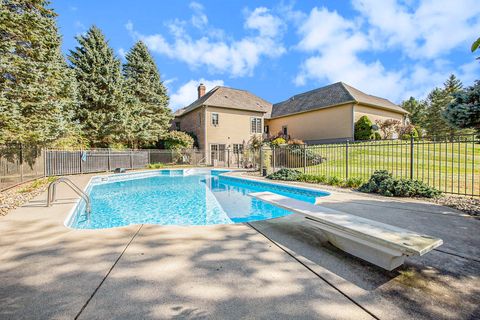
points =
(382, 182)
(363, 129)
(377, 136)
(285, 174)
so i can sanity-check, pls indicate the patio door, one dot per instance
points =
(217, 154)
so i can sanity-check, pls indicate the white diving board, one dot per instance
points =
(381, 244)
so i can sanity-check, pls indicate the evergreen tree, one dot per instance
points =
(417, 110)
(437, 101)
(99, 81)
(147, 115)
(464, 111)
(35, 86)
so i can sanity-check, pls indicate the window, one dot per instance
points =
(266, 129)
(215, 119)
(237, 148)
(285, 130)
(256, 125)
(177, 125)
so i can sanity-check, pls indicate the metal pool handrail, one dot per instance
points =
(52, 190)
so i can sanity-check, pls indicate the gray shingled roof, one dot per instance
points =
(225, 97)
(329, 96)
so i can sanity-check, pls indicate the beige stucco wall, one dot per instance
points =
(193, 122)
(375, 114)
(329, 123)
(233, 126)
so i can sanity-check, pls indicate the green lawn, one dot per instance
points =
(450, 167)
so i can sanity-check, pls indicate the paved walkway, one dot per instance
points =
(277, 269)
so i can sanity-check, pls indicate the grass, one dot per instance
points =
(449, 167)
(36, 184)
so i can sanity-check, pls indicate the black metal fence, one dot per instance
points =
(450, 164)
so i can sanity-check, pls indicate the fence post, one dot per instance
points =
(304, 158)
(346, 159)
(228, 157)
(108, 160)
(273, 158)
(411, 156)
(261, 160)
(45, 172)
(131, 159)
(21, 162)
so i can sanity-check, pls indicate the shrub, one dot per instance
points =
(412, 133)
(377, 136)
(311, 178)
(353, 183)
(156, 165)
(285, 174)
(382, 182)
(177, 140)
(278, 141)
(363, 129)
(310, 155)
(295, 142)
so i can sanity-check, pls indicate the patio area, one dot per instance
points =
(276, 269)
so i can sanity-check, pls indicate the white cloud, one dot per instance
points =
(336, 43)
(122, 53)
(337, 47)
(187, 93)
(199, 18)
(234, 57)
(267, 24)
(429, 30)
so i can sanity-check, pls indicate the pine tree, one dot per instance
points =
(417, 110)
(35, 87)
(438, 100)
(148, 115)
(99, 81)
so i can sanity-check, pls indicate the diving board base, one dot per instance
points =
(378, 255)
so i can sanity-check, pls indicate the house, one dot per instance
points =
(226, 118)
(328, 114)
(223, 118)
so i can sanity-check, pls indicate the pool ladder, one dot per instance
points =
(52, 191)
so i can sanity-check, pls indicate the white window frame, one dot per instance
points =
(237, 148)
(215, 123)
(256, 125)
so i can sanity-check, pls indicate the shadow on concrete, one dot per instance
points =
(435, 286)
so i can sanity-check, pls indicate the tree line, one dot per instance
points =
(448, 110)
(92, 101)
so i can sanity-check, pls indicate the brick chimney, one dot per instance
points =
(201, 90)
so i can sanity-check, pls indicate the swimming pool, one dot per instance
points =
(179, 197)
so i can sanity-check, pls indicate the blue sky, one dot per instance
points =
(393, 49)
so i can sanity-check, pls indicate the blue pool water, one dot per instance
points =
(177, 197)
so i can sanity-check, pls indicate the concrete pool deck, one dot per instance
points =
(276, 269)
